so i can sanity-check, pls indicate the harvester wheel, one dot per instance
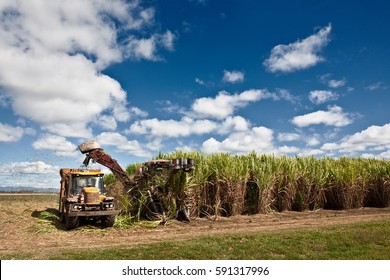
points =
(108, 221)
(71, 222)
(183, 215)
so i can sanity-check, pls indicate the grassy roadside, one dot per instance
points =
(363, 241)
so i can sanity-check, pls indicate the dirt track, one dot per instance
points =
(21, 229)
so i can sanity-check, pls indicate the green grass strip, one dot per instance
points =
(364, 241)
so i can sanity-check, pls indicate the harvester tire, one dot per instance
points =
(183, 215)
(108, 221)
(71, 222)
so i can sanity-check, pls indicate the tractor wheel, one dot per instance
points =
(108, 221)
(62, 214)
(71, 222)
(62, 218)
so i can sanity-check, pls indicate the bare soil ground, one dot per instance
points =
(22, 229)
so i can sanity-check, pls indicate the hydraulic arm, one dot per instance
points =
(100, 156)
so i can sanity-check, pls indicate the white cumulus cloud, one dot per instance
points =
(37, 174)
(322, 96)
(119, 141)
(334, 116)
(376, 86)
(310, 152)
(374, 137)
(235, 123)
(57, 144)
(299, 55)
(259, 139)
(187, 126)
(337, 83)
(225, 104)
(146, 48)
(287, 137)
(288, 150)
(199, 81)
(172, 128)
(52, 54)
(233, 76)
(332, 83)
(10, 133)
(107, 122)
(35, 167)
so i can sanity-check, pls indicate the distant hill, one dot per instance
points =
(27, 190)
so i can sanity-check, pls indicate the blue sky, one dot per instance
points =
(277, 77)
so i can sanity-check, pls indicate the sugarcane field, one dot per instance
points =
(213, 196)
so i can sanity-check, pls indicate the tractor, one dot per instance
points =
(82, 198)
